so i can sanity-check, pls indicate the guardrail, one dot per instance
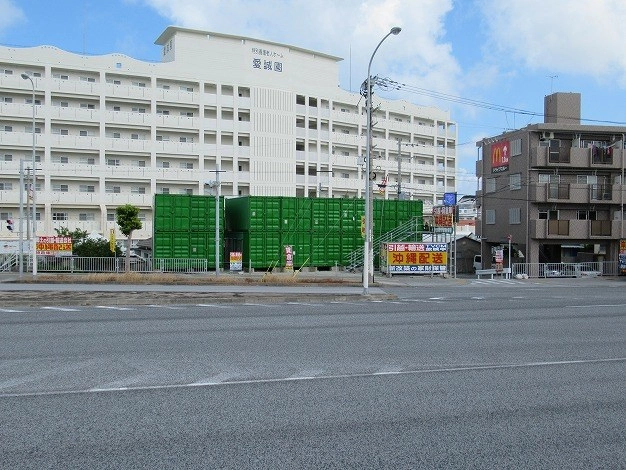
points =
(77, 264)
(539, 270)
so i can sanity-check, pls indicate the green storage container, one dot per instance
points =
(261, 249)
(326, 215)
(253, 213)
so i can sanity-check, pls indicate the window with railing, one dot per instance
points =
(602, 155)
(600, 228)
(558, 227)
(558, 190)
(601, 192)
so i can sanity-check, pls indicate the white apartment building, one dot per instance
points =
(270, 118)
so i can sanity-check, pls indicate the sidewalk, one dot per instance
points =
(80, 289)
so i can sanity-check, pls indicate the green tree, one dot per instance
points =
(84, 246)
(127, 218)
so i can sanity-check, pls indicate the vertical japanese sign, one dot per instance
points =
(288, 257)
(622, 256)
(500, 156)
(443, 218)
(414, 258)
(112, 240)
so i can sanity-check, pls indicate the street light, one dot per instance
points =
(368, 250)
(34, 234)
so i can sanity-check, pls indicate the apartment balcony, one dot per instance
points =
(74, 141)
(133, 145)
(176, 122)
(345, 183)
(75, 86)
(574, 229)
(176, 96)
(186, 148)
(577, 158)
(346, 117)
(243, 102)
(341, 161)
(244, 126)
(73, 197)
(576, 193)
(424, 130)
(341, 138)
(22, 110)
(74, 114)
(126, 91)
(119, 199)
(20, 139)
(243, 177)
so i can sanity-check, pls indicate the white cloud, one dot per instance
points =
(11, 14)
(581, 37)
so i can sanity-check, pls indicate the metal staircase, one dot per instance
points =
(7, 261)
(409, 231)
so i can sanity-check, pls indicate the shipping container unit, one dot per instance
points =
(322, 232)
(184, 228)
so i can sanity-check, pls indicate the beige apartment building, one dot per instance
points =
(556, 188)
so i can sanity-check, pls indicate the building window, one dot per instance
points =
(59, 216)
(138, 189)
(83, 133)
(186, 191)
(516, 147)
(113, 162)
(112, 189)
(165, 164)
(6, 186)
(60, 159)
(186, 165)
(8, 128)
(110, 216)
(490, 216)
(117, 135)
(87, 161)
(86, 217)
(7, 158)
(134, 136)
(515, 215)
(165, 190)
(60, 188)
(490, 185)
(515, 181)
(139, 163)
(87, 188)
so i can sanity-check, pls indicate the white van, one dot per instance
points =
(478, 263)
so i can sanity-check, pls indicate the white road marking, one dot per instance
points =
(595, 306)
(214, 305)
(110, 307)
(468, 368)
(62, 309)
(10, 310)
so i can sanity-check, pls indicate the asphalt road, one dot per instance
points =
(473, 375)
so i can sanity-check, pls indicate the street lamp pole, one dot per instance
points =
(368, 250)
(33, 188)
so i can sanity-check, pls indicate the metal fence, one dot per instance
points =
(77, 264)
(602, 268)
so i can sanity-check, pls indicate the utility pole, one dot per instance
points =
(216, 184)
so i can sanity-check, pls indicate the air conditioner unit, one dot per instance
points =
(547, 135)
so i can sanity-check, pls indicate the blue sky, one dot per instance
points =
(509, 54)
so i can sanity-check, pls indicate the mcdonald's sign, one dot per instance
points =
(500, 156)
